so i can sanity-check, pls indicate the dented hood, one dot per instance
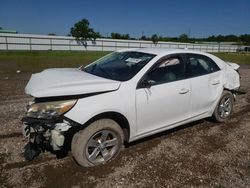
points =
(67, 81)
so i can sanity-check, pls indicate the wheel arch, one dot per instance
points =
(120, 119)
(233, 92)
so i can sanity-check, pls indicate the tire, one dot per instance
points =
(98, 143)
(224, 108)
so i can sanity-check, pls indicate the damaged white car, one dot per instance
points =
(122, 97)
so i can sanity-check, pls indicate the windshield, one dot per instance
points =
(120, 66)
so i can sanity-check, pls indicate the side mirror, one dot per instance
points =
(145, 84)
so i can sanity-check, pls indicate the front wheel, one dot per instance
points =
(98, 143)
(224, 108)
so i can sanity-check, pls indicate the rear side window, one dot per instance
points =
(198, 65)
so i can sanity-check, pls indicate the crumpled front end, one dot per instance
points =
(56, 91)
(46, 127)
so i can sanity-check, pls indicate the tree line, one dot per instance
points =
(83, 32)
(242, 39)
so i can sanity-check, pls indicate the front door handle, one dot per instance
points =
(184, 90)
(215, 82)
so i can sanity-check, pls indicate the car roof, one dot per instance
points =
(163, 51)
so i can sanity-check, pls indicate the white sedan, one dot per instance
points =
(122, 97)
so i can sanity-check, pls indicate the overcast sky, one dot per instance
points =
(198, 18)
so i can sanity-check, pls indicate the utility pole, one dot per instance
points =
(189, 32)
(142, 34)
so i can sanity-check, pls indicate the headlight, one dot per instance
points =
(49, 110)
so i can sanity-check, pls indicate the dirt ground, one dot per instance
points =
(200, 154)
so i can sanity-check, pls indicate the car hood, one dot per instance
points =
(67, 81)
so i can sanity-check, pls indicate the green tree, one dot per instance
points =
(143, 37)
(245, 39)
(183, 38)
(119, 36)
(82, 32)
(155, 39)
(115, 35)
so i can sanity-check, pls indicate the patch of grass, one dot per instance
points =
(36, 61)
(240, 58)
(40, 60)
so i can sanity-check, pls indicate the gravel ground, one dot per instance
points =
(200, 154)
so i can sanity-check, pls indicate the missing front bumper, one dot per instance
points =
(43, 135)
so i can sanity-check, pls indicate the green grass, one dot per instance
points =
(37, 61)
(31, 62)
(240, 58)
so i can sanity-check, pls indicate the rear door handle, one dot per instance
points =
(184, 90)
(215, 82)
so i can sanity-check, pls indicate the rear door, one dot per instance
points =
(206, 85)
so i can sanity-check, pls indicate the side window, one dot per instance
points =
(198, 65)
(168, 70)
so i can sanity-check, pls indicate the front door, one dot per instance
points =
(165, 101)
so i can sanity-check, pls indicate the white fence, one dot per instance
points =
(45, 42)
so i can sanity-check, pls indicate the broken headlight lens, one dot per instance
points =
(49, 110)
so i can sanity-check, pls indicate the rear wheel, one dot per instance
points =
(224, 108)
(97, 144)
